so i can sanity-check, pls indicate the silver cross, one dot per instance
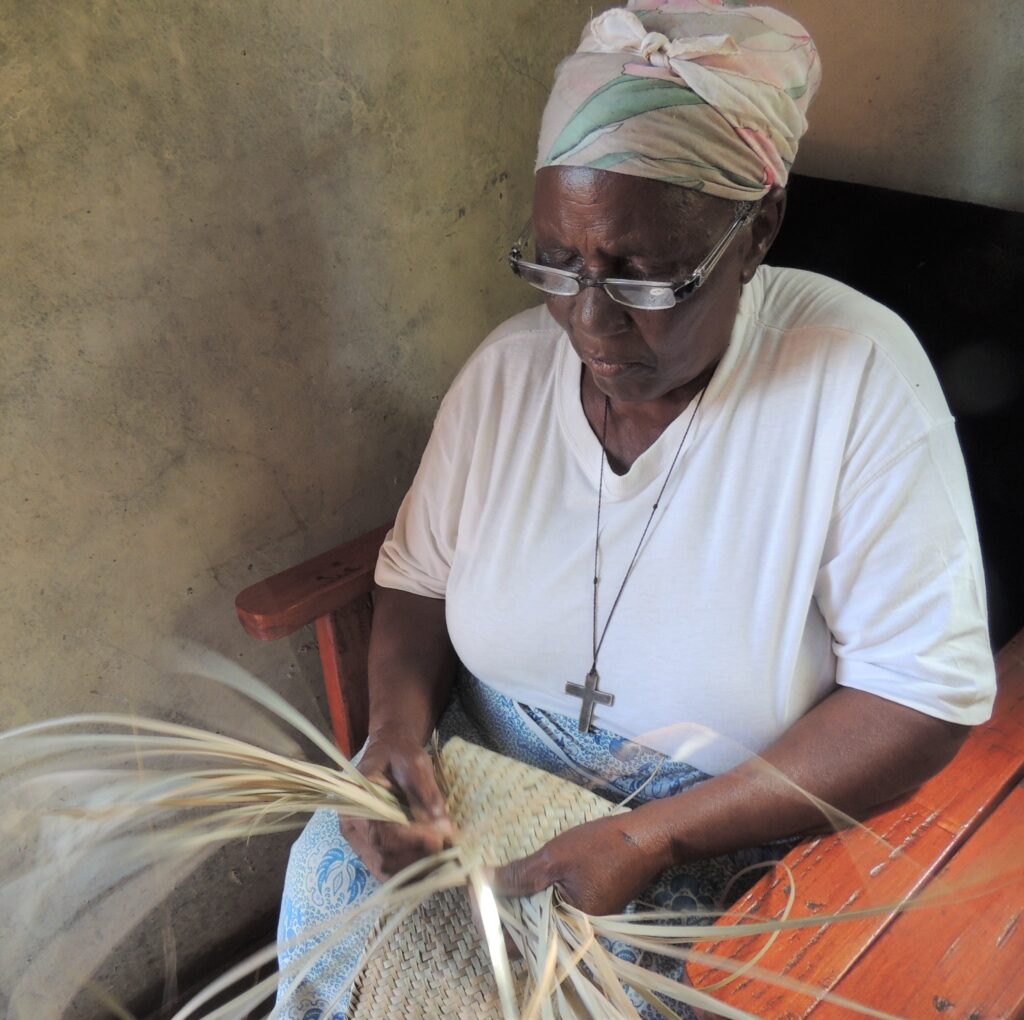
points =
(591, 696)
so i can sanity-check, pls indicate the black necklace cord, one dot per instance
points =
(597, 643)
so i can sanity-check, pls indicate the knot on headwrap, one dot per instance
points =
(652, 44)
(706, 94)
(621, 31)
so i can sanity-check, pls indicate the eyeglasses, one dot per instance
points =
(649, 295)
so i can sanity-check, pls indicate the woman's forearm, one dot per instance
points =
(410, 677)
(855, 751)
(411, 664)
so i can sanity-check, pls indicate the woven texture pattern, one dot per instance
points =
(435, 965)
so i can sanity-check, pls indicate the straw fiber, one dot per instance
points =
(435, 963)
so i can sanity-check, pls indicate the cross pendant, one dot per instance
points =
(591, 696)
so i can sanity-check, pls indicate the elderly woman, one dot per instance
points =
(690, 510)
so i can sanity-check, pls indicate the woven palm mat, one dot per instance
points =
(435, 963)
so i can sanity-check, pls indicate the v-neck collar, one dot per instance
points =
(651, 465)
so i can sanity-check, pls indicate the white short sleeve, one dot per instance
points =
(900, 584)
(418, 551)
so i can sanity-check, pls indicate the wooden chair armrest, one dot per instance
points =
(279, 605)
(852, 870)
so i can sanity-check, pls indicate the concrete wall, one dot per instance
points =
(925, 97)
(246, 246)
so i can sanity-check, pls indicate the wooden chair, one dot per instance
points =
(960, 836)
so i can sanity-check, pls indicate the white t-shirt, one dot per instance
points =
(817, 529)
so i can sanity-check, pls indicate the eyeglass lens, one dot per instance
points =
(634, 293)
(638, 294)
(561, 285)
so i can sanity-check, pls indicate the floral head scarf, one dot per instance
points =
(706, 94)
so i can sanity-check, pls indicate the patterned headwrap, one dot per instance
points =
(706, 94)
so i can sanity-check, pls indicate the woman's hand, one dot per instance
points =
(598, 867)
(399, 763)
(411, 666)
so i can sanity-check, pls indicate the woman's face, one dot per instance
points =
(601, 224)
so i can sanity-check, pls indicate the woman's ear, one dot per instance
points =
(764, 230)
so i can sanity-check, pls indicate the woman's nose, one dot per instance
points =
(595, 313)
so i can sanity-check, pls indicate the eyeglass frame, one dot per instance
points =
(680, 291)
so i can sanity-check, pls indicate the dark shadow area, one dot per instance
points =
(194, 979)
(952, 271)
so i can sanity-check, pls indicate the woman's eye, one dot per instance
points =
(646, 271)
(559, 259)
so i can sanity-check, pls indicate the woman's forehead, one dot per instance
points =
(622, 209)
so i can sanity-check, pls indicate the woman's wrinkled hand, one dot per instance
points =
(598, 867)
(400, 764)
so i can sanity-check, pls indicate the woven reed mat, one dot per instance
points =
(435, 963)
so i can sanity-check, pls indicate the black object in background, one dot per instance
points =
(952, 270)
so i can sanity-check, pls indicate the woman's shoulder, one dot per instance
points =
(791, 299)
(530, 334)
(838, 325)
(516, 353)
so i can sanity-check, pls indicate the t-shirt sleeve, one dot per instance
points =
(484, 403)
(901, 583)
(417, 554)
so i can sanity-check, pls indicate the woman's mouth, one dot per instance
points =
(608, 368)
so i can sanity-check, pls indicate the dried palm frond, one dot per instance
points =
(109, 794)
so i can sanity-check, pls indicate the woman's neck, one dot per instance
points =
(634, 426)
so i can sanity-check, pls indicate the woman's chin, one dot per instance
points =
(631, 384)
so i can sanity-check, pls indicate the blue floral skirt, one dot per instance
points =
(325, 878)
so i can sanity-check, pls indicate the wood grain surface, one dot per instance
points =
(919, 847)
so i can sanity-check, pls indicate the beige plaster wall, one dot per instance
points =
(246, 246)
(925, 97)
